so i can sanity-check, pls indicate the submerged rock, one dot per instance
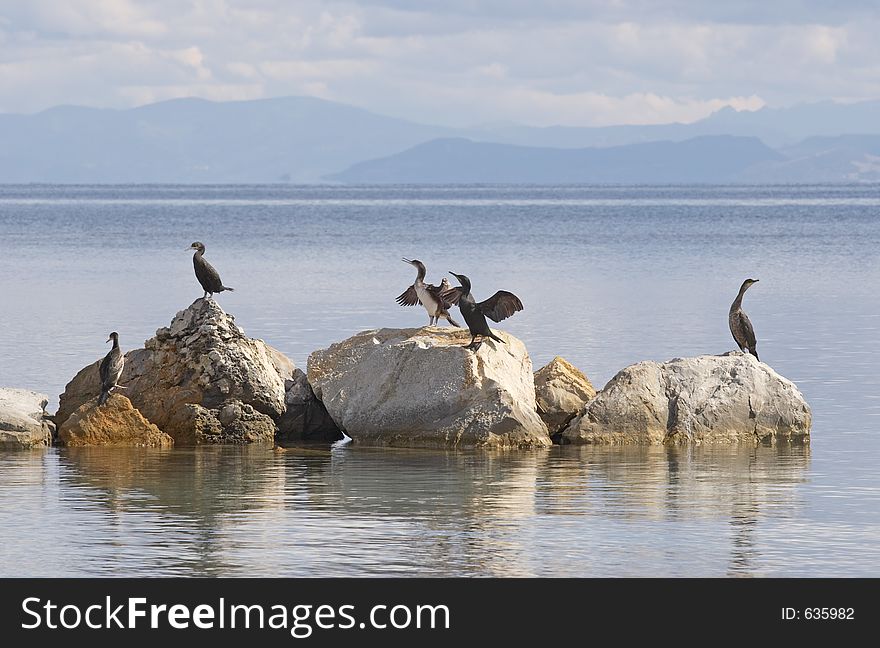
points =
(115, 423)
(561, 391)
(23, 419)
(306, 418)
(707, 399)
(421, 387)
(201, 380)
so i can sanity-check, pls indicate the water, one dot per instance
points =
(608, 275)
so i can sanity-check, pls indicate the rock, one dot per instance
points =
(561, 391)
(201, 380)
(306, 418)
(23, 419)
(707, 399)
(421, 387)
(115, 423)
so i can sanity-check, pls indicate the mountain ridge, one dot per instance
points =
(710, 158)
(308, 139)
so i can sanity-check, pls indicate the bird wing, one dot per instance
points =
(500, 306)
(104, 369)
(745, 325)
(408, 297)
(207, 275)
(111, 368)
(450, 297)
(437, 293)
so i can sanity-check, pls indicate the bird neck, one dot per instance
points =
(737, 303)
(420, 276)
(115, 343)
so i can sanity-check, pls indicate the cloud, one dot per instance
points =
(459, 62)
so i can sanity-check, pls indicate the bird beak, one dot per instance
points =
(109, 340)
(405, 260)
(188, 249)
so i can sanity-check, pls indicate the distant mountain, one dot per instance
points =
(457, 160)
(845, 158)
(774, 126)
(296, 139)
(304, 139)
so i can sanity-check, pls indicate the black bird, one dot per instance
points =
(498, 307)
(110, 369)
(428, 295)
(205, 272)
(740, 325)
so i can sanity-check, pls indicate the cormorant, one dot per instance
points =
(740, 325)
(498, 307)
(205, 272)
(428, 295)
(110, 369)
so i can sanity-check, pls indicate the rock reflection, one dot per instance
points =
(371, 511)
(682, 485)
(456, 509)
(168, 508)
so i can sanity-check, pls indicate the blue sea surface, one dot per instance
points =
(608, 275)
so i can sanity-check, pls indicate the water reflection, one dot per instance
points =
(366, 511)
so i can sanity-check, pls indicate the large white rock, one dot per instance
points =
(23, 419)
(421, 387)
(707, 399)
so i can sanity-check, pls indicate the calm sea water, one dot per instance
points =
(608, 276)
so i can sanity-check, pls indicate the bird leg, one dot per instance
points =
(474, 345)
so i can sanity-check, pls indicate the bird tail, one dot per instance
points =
(451, 321)
(496, 338)
(105, 394)
(754, 352)
(228, 288)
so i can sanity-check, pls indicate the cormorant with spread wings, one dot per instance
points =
(428, 295)
(498, 307)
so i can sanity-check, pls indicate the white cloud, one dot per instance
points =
(324, 69)
(453, 61)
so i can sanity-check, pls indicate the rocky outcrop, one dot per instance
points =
(200, 380)
(306, 418)
(115, 423)
(421, 387)
(23, 419)
(561, 392)
(707, 399)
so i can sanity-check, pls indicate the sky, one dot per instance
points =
(450, 62)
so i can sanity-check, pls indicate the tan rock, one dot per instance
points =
(421, 387)
(561, 392)
(115, 423)
(732, 398)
